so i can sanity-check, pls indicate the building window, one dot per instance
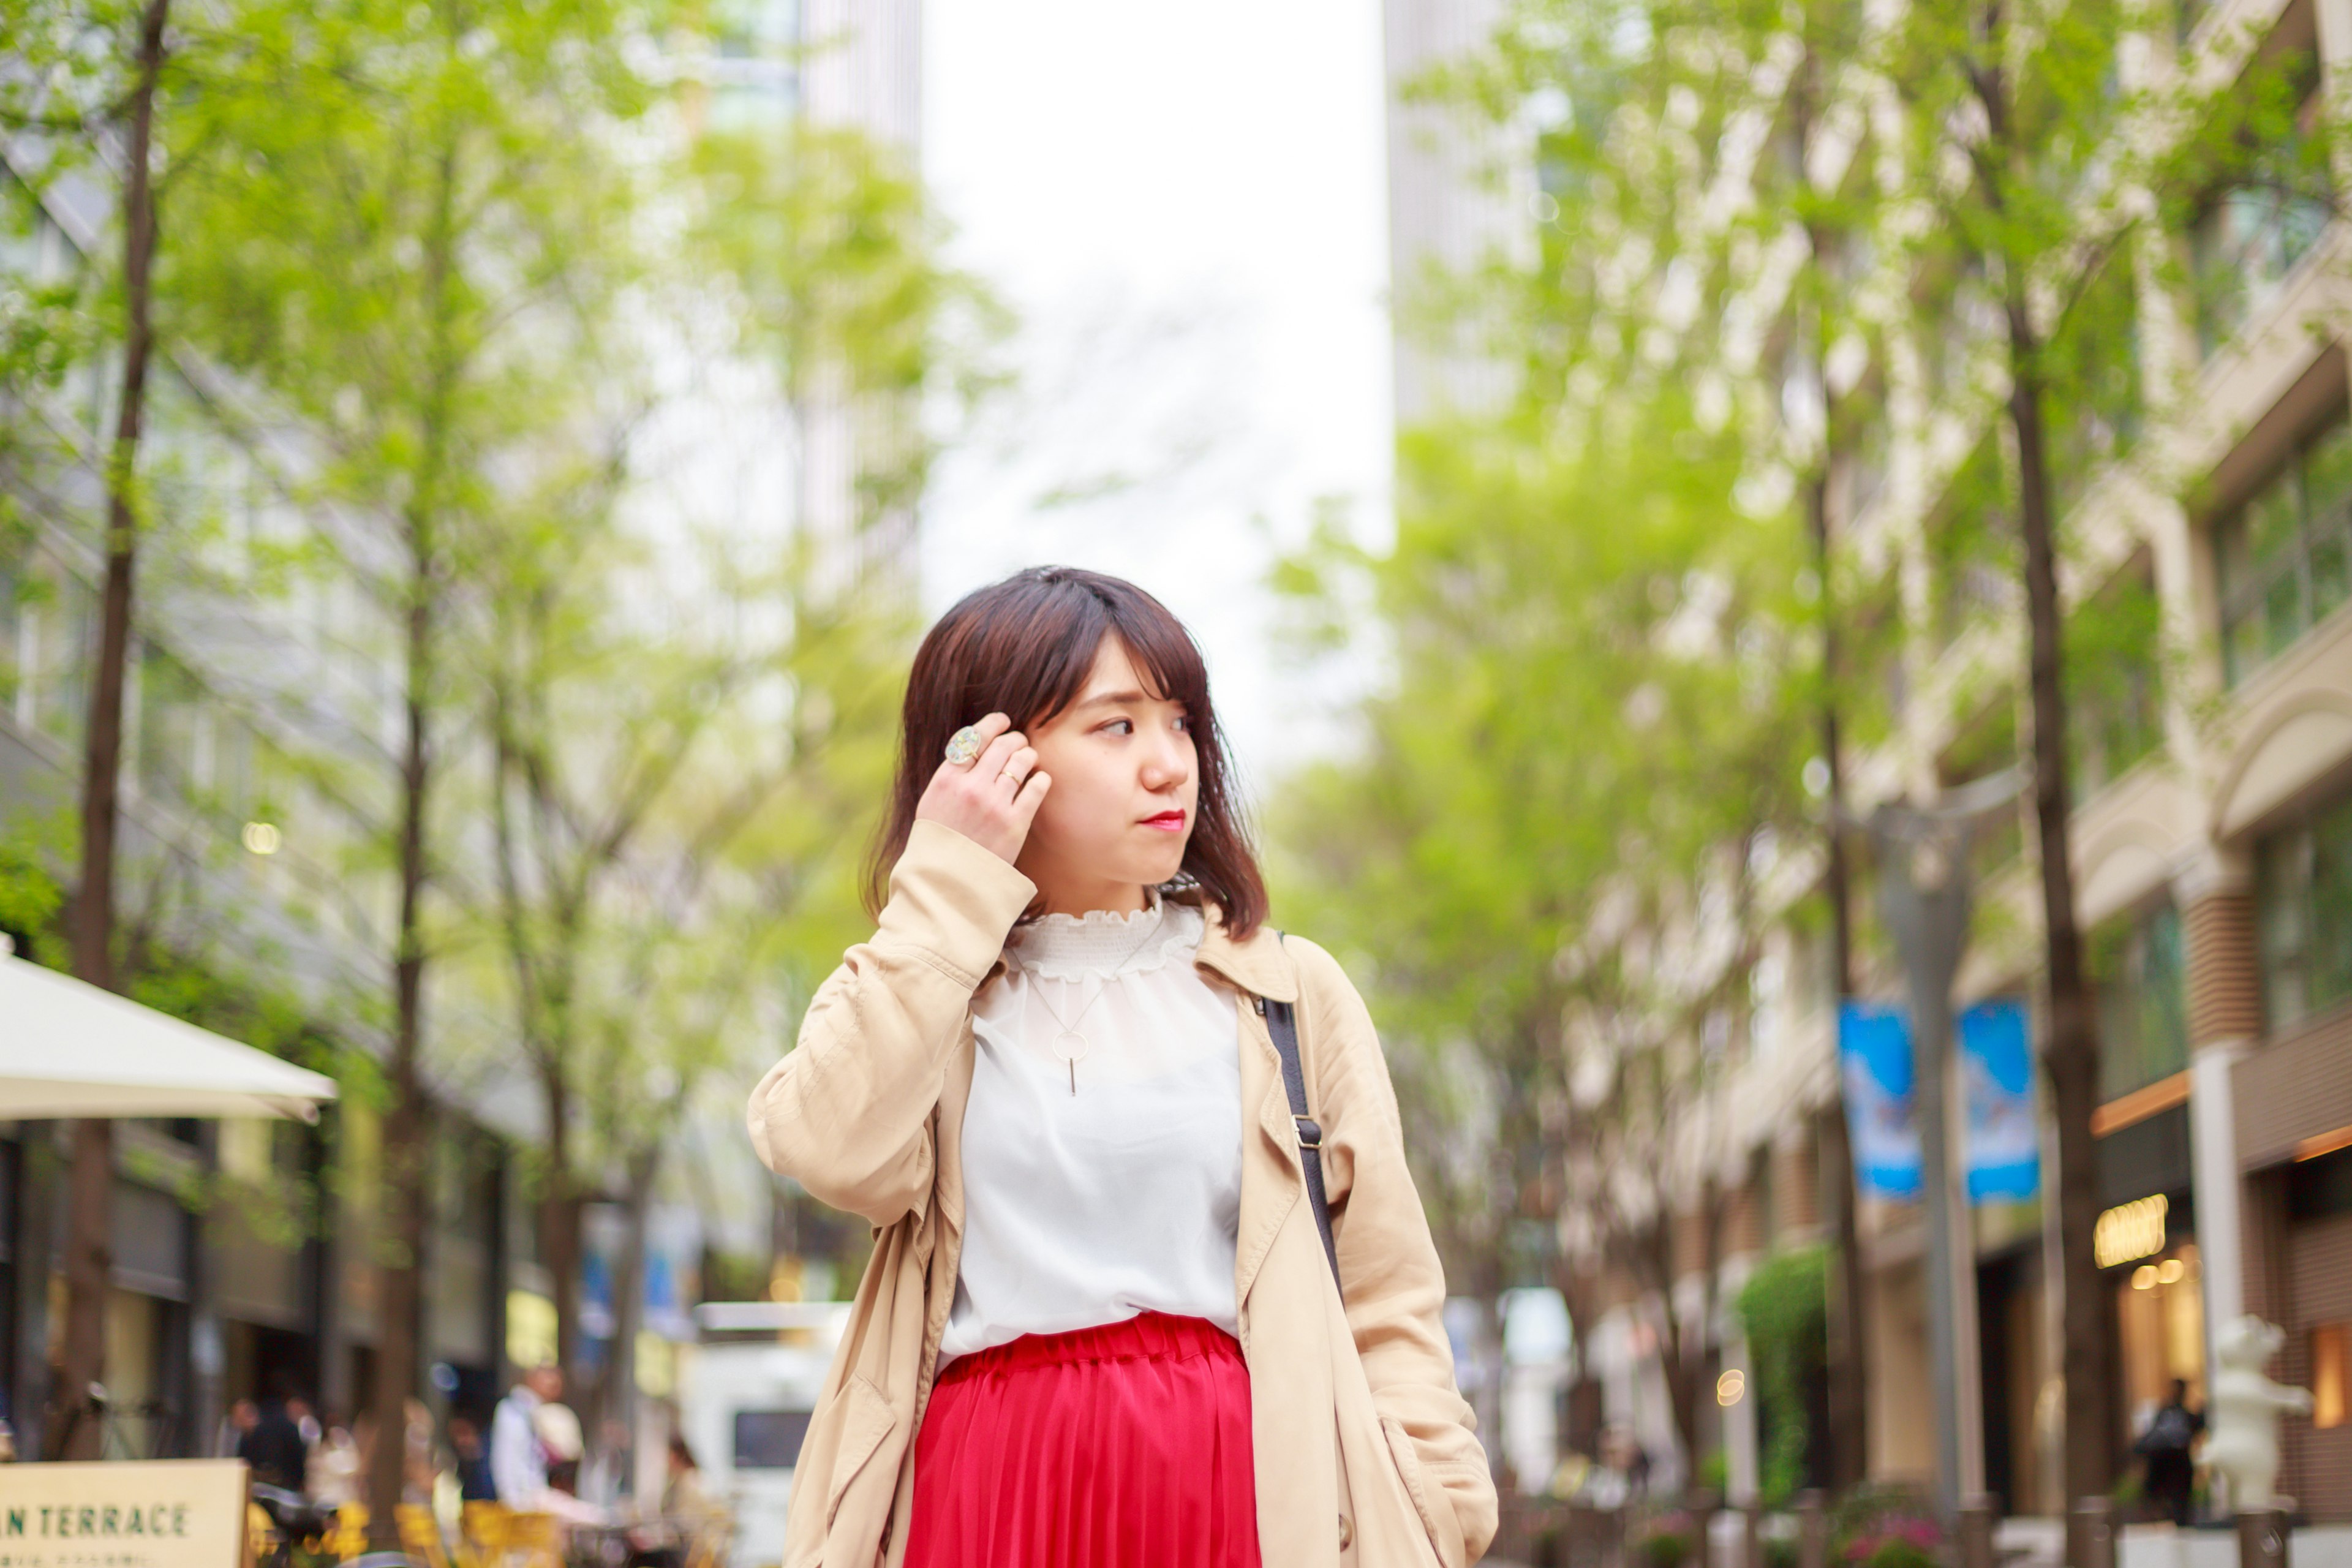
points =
(2114, 679)
(2331, 1374)
(2095, 410)
(2243, 248)
(2137, 971)
(2160, 1308)
(2250, 237)
(2284, 555)
(2303, 894)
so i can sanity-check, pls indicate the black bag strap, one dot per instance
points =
(1282, 1022)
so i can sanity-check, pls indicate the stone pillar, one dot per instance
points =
(1812, 1531)
(1742, 1468)
(2262, 1539)
(2091, 1533)
(1979, 1512)
(2225, 1019)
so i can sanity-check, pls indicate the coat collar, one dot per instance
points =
(1257, 965)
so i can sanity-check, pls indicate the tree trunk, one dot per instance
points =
(75, 1429)
(1682, 1350)
(616, 1390)
(1849, 1359)
(2070, 1052)
(559, 1222)
(398, 1293)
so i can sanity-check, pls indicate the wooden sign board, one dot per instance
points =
(132, 1514)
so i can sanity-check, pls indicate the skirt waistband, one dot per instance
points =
(1147, 1336)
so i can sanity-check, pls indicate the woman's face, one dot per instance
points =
(1125, 779)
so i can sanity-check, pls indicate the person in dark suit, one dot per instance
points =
(2171, 1474)
(274, 1446)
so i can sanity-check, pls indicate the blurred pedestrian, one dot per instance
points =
(272, 1445)
(1073, 1036)
(416, 1456)
(235, 1423)
(2164, 1446)
(685, 1498)
(520, 1456)
(471, 1461)
(605, 1477)
(688, 1513)
(336, 1465)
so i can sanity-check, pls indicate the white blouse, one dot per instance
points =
(1089, 1207)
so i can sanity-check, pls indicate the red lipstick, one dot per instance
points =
(1166, 821)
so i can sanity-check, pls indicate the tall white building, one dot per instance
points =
(861, 67)
(1457, 196)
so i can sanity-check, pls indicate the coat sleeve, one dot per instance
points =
(847, 1113)
(1394, 1286)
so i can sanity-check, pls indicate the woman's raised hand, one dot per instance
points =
(993, 798)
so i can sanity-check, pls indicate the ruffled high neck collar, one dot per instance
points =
(1099, 944)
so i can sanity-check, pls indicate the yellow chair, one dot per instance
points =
(258, 1532)
(348, 1538)
(707, 1547)
(420, 1534)
(533, 1540)
(481, 1534)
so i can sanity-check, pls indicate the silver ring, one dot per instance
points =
(963, 746)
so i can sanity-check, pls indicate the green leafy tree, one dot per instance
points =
(423, 227)
(609, 718)
(87, 77)
(1588, 706)
(1771, 199)
(2048, 168)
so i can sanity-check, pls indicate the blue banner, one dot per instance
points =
(1875, 1057)
(2004, 1137)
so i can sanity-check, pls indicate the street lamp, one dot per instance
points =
(1926, 896)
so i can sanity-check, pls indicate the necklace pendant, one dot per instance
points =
(1070, 1045)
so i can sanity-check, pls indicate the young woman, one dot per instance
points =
(1099, 1329)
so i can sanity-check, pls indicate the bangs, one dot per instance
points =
(1162, 650)
(1024, 647)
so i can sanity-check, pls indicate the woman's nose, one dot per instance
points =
(1165, 765)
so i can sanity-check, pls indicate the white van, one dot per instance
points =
(744, 1397)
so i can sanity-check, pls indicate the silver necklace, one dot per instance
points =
(1071, 1045)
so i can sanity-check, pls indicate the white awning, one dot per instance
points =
(68, 1048)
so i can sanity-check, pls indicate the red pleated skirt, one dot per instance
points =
(1122, 1447)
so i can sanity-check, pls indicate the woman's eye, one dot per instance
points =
(1119, 727)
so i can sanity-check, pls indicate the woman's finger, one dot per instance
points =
(997, 753)
(1032, 797)
(1017, 767)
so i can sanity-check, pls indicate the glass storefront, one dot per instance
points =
(2160, 1311)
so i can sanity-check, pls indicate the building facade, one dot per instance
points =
(242, 1260)
(2211, 836)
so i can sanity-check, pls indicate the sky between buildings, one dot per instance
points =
(1185, 207)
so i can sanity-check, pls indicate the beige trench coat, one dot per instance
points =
(1366, 1455)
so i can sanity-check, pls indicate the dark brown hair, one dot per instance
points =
(1023, 647)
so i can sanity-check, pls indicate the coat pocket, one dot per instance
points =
(1434, 1507)
(866, 1420)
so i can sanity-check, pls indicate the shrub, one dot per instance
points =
(1784, 1307)
(1867, 1513)
(1894, 1540)
(1668, 1544)
(1899, 1552)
